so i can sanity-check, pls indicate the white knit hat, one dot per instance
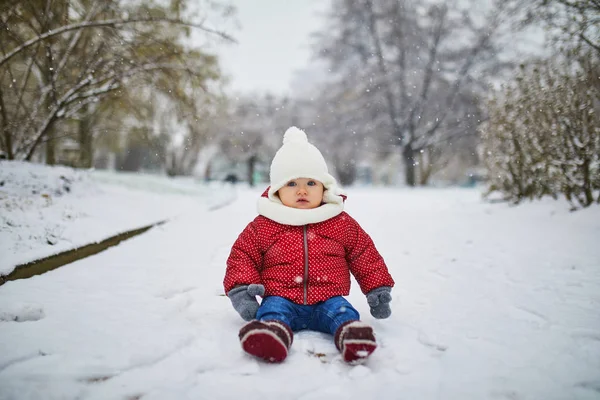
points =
(298, 158)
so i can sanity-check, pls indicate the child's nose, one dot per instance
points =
(301, 189)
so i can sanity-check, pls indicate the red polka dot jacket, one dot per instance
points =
(306, 264)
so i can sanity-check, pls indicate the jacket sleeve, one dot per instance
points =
(245, 260)
(365, 262)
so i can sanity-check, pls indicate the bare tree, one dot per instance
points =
(576, 22)
(253, 130)
(416, 63)
(342, 126)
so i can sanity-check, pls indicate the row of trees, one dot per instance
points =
(542, 137)
(104, 72)
(404, 79)
(411, 74)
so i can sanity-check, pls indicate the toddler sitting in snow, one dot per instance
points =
(298, 255)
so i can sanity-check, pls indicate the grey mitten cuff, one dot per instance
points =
(244, 300)
(379, 302)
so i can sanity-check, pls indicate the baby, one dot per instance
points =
(298, 255)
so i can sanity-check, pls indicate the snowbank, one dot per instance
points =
(47, 210)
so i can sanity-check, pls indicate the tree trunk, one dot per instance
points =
(207, 171)
(251, 165)
(409, 165)
(346, 173)
(50, 146)
(587, 183)
(85, 141)
(8, 143)
(132, 160)
(7, 134)
(424, 167)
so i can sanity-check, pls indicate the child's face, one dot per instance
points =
(302, 193)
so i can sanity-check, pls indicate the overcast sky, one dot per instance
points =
(273, 42)
(273, 52)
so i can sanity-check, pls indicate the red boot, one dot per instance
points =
(356, 341)
(267, 340)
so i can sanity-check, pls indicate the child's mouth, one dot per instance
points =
(302, 201)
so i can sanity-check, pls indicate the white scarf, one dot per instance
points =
(273, 208)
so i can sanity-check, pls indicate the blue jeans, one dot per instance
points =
(325, 316)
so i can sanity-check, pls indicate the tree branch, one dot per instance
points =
(74, 40)
(589, 42)
(417, 109)
(104, 23)
(111, 83)
(383, 70)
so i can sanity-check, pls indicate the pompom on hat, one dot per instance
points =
(298, 158)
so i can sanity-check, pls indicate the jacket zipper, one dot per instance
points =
(305, 280)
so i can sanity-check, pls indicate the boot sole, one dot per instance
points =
(265, 345)
(357, 351)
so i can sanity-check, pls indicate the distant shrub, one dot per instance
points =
(543, 133)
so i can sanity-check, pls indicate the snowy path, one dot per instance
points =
(492, 302)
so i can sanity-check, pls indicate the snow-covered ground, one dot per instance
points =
(44, 211)
(491, 302)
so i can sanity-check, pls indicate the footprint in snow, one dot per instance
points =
(23, 314)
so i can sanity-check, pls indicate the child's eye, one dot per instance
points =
(292, 183)
(312, 183)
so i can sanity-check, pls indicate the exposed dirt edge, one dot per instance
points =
(46, 264)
